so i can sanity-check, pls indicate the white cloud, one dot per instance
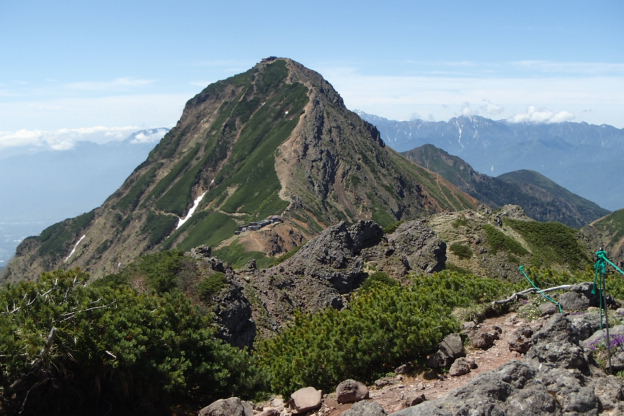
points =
(400, 97)
(123, 83)
(152, 137)
(62, 139)
(542, 116)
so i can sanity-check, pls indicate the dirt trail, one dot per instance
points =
(391, 397)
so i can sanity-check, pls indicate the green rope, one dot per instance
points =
(548, 298)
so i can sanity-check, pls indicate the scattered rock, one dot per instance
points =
(305, 400)
(484, 338)
(365, 408)
(521, 340)
(413, 398)
(271, 411)
(386, 381)
(548, 308)
(404, 368)
(460, 367)
(451, 348)
(350, 391)
(227, 407)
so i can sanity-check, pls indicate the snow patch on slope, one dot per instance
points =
(71, 253)
(189, 214)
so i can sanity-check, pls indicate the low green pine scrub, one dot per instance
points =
(211, 285)
(384, 326)
(551, 243)
(461, 250)
(68, 348)
(499, 241)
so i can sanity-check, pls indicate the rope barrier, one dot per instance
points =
(545, 296)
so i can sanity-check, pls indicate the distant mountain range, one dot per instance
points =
(541, 198)
(44, 186)
(584, 158)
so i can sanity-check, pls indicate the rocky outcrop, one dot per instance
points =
(234, 316)
(558, 377)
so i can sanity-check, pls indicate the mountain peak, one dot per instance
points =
(258, 163)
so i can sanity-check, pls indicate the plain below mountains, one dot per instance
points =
(40, 186)
(275, 140)
(541, 198)
(584, 158)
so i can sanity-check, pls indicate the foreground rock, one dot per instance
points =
(558, 377)
(227, 407)
(350, 391)
(305, 400)
(366, 408)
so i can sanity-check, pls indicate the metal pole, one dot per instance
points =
(603, 301)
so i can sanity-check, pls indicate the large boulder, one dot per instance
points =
(227, 407)
(305, 400)
(556, 344)
(350, 391)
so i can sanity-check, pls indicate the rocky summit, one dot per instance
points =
(258, 162)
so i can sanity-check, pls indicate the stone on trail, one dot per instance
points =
(305, 400)
(227, 407)
(350, 391)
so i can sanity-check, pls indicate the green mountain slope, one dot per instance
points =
(541, 198)
(608, 232)
(275, 140)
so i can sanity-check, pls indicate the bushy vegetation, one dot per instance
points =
(57, 239)
(499, 241)
(551, 242)
(106, 349)
(159, 272)
(461, 250)
(383, 326)
(460, 222)
(158, 227)
(211, 285)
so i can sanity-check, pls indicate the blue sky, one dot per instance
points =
(116, 64)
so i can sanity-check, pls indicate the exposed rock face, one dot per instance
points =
(227, 407)
(350, 391)
(419, 248)
(557, 378)
(334, 255)
(234, 316)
